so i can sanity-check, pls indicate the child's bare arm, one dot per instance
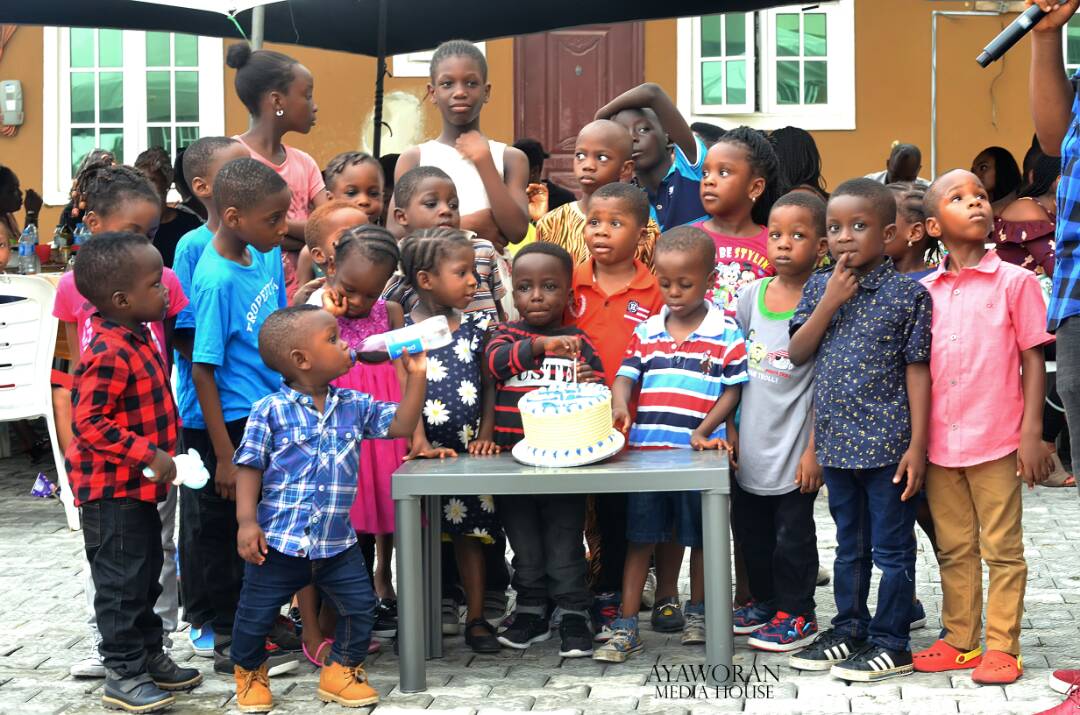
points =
(621, 391)
(206, 389)
(184, 341)
(250, 539)
(1033, 461)
(718, 414)
(412, 396)
(1049, 88)
(304, 270)
(71, 335)
(485, 438)
(913, 464)
(655, 98)
(509, 203)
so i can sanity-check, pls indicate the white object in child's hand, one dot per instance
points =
(429, 334)
(190, 471)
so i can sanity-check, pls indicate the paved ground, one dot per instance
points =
(41, 612)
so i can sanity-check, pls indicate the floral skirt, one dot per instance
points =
(470, 516)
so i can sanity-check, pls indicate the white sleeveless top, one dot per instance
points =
(470, 188)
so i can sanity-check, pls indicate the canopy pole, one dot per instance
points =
(258, 25)
(380, 77)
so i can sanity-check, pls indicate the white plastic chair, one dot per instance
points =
(27, 343)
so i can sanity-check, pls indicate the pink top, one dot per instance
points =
(739, 262)
(354, 330)
(71, 307)
(984, 317)
(302, 175)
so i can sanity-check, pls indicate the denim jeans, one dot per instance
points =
(873, 528)
(1068, 382)
(549, 557)
(123, 546)
(342, 581)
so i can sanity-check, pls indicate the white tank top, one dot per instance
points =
(470, 188)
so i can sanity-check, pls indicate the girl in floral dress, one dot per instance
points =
(460, 405)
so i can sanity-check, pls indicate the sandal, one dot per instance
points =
(1060, 477)
(941, 657)
(998, 668)
(485, 642)
(316, 660)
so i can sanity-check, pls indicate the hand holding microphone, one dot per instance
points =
(1040, 16)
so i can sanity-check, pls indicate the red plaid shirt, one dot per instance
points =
(122, 412)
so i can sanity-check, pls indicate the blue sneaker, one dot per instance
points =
(918, 615)
(784, 633)
(751, 616)
(605, 610)
(625, 641)
(202, 640)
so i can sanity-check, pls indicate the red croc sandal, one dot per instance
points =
(941, 657)
(998, 668)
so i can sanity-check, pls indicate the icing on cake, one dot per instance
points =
(572, 418)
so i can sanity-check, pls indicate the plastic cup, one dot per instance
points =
(44, 250)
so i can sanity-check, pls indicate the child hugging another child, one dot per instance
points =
(125, 426)
(778, 477)
(988, 331)
(293, 511)
(544, 531)
(601, 157)
(868, 330)
(690, 360)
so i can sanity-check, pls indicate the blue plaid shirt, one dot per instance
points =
(1065, 295)
(309, 464)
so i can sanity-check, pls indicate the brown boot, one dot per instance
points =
(346, 686)
(253, 690)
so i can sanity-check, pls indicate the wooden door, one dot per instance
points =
(561, 78)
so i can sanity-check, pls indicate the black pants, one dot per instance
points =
(549, 556)
(214, 543)
(611, 549)
(123, 546)
(193, 595)
(496, 576)
(779, 546)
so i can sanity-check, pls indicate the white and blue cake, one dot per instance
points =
(567, 426)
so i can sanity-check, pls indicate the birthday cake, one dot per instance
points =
(567, 426)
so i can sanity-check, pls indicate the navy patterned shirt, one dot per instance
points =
(861, 415)
(1065, 295)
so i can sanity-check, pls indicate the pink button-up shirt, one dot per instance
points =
(983, 318)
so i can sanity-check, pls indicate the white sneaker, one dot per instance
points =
(90, 667)
(648, 594)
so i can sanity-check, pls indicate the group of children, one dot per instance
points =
(682, 279)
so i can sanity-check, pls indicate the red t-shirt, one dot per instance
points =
(739, 262)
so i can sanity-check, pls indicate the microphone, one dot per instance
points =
(1010, 35)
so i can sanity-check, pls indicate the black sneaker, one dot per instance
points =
(283, 635)
(576, 636)
(277, 662)
(135, 695)
(168, 675)
(527, 628)
(385, 619)
(873, 663)
(829, 649)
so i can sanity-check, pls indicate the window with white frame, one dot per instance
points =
(1072, 45)
(771, 67)
(418, 64)
(125, 91)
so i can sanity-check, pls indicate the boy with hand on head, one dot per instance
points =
(988, 327)
(672, 178)
(544, 531)
(293, 511)
(778, 477)
(601, 157)
(867, 327)
(690, 360)
(613, 293)
(120, 464)
(238, 283)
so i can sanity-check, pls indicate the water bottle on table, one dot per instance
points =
(28, 260)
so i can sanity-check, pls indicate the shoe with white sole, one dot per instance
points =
(91, 666)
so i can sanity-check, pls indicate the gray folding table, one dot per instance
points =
(418, 563)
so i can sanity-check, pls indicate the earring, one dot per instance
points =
(280, 113)
(753, 199)
(910, 243)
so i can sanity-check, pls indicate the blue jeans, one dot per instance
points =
(341, 579)
(872, 523)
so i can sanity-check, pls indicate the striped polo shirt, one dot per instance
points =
(680, 383)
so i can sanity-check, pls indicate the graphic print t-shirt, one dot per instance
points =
(739, 262)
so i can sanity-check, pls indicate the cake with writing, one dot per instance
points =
(567, 425)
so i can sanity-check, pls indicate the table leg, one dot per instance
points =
(410, 635)
(433, 576)
(720, 641)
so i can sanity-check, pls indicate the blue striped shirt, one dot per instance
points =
(309, 464)
(1065, 295)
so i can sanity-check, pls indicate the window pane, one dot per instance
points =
(187, 96)
(111, 94)
(712, 88)
(157, 49)
(187, 50)
(110, 48)
(736, 33)
(816, 83)
(82, 98)
(1072, 47)
(736, 81)
(815, 42)
(82, 143)
(158, 106)
(711, 36)
(186, 136)
(787, 82)
(113, 140)
(82, 47)
(787, 35)
(160, 136)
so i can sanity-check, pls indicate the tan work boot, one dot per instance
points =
(346, 686)
(253, 690)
